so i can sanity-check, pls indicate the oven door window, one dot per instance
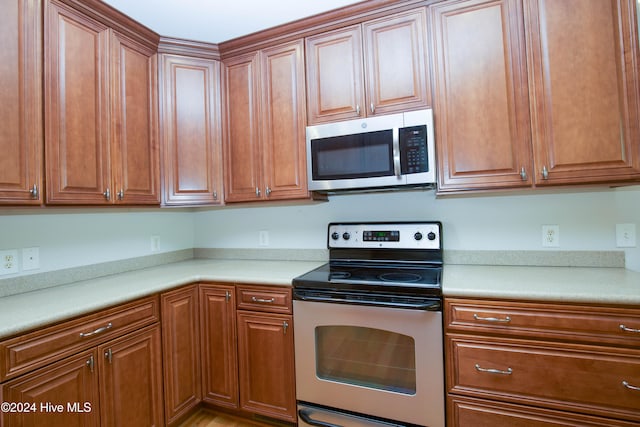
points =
(366, 357)
(364, 155)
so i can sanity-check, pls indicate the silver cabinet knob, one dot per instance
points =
(107, 195)
(258, 192)
(545, 173)
(268, 191)
(121, 194)
(523, 174)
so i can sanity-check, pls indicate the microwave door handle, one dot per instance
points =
(396, 153)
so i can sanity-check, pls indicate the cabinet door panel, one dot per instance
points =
(136, 156)
(72, 381)
(218, 341)
(181, 351)
(265, 353)
(483, 126)
(395, 55)
(20, 102)
(242, 140)
(335, 86)
(131, 380)
(76, 108)
(191, 128)
(284, 121)
(585, 90)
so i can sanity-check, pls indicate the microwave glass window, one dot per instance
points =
(366, 357)
(354, 156)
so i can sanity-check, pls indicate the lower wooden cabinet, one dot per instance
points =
(265, 356)
(541, 364)
(181, 351)
(118, 384)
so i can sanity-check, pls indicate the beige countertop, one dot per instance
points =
(22, 312)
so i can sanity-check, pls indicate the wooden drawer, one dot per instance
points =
(264, 298)
(571, 377)
(468, 412)
(577, 323)
(40, 347)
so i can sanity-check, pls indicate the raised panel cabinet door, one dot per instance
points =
(397, 75)
(191, 121)
(71, 382)
(135, 154)
(76, 108)
(218, 343)
(131, 380)
(181, 351)
(583, 72)
(284, 121)
(21, 102)
(266, 364)
(335, 84)
(242, 151)
(481, 99)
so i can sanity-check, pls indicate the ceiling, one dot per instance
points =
(216, 21)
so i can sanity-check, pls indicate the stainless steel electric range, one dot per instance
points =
(368, 328)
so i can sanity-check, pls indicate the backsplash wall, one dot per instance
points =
(505, 222)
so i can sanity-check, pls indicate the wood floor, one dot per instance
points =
(209, 418)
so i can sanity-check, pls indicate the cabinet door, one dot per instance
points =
(583, 60)
(76, 108)
(131, 380)
(191, 131)
(395, 63)
(242, 140)
(21, 102)
(265, 353)
(283, 122)
(218, 341)
(136, 173)
(181, 351)
(72, 383)
(335, 87)
(481, 99)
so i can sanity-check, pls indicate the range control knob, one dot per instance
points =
(431, 235)
(335, 235)
(418, 236)
(346, 235)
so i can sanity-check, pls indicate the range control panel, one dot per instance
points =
(403, 235)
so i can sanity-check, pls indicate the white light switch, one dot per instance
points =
(626, 235)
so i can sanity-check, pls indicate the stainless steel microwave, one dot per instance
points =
(382, 151)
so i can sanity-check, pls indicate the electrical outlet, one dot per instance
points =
(551, 236)
(155, 243)
(626, 235)
(30, 259)
(264, 238)
(9, 262)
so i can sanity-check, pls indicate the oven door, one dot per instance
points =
(383, 362)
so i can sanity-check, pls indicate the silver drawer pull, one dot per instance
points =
(630, 387)
(97, 331)
(262, 300)
(624, 328)
(509, 371)
(492, 319)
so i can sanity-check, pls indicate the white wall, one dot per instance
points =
(80, 236)
(586, 219)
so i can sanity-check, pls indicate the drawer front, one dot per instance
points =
(467, 412)
(549, 321)
(38, 348)
(264, 298)
(573, 377)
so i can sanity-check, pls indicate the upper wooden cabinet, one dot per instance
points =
(377, 67)
(191, 120)
(100, 112)
(535, 93)
(21, 102)
(583, 75)
(264, 144)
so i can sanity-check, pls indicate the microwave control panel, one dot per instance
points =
(413, 150)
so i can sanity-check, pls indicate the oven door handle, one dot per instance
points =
(305, 416)
(430, 306)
